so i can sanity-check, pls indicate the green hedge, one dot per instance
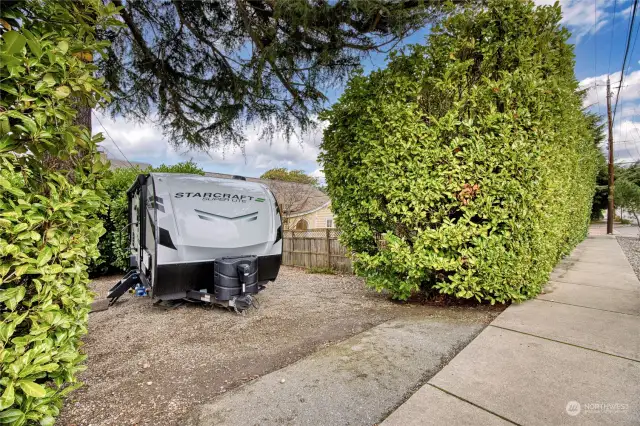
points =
(466, 166)
(113, 245)
(49, 198)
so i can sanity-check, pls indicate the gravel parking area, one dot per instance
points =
(150, 366)
(631, 248)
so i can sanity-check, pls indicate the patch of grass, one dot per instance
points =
(320, 270)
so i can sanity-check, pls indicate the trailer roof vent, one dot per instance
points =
(239, 177)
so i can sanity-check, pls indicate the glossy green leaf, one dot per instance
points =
(49, 79)
(44, 256)
(62, 91)
(47, 421)
(7, 398)
(63, 46)
(12, 416)
(32, 388)
(13, 42)
(34, 46)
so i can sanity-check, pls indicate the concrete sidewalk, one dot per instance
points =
(571, 356)
(358, 381)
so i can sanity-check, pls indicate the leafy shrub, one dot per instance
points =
(467, 166)
(113, 245)
(49, 197)
(284, 175)
(114, 218)
(628, 198)
(185, 167)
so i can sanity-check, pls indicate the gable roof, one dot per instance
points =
(120, 164)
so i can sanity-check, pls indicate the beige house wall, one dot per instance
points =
(315, 220)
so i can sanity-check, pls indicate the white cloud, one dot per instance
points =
(597, 88)
(319, 174)
(626, 130)
(581, 15)
(145, 142)
(628, 110)
(626, 141)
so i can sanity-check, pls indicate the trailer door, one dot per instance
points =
(135, 227)
(150, 221)
(142, 222)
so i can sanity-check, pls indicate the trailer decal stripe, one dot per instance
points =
(211, 215)
(165, 239)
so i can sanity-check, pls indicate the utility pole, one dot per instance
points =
(610, 209)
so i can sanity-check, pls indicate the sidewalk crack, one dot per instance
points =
(565, 343)
(474, 404)
(586, 307)
(558, 280)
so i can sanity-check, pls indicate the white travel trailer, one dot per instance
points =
(203, 238)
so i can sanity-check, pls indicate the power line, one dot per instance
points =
(634, 143)
(633, 45)
(633, 123)
(605, 85)
(613, 25)
(635, 128)
(106, 149)
(112, 140)
(635, 39)
(629, 153)
(626, 54)
(617, 163)
(595, 51)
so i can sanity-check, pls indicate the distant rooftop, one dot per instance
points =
(120, 164)
(302, 197)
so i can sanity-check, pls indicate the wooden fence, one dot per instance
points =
(315, 248)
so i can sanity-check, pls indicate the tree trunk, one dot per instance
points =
(84, 117)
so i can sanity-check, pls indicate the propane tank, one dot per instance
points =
(140, 290)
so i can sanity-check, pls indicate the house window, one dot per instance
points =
(330, 223)
(302, 225)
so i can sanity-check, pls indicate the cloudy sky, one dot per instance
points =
(599, 36)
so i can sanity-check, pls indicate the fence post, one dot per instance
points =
(328, 248)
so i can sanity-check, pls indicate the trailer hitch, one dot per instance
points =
(242, 303)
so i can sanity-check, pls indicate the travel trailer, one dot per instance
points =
(201, 238)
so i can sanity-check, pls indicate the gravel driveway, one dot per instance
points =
(631, 248)
(150, 366)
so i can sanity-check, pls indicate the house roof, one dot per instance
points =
(119, 164)
(305, 210)
(300, 198)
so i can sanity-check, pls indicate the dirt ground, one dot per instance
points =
(149, 366)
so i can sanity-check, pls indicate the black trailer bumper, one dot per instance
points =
(174, 280)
